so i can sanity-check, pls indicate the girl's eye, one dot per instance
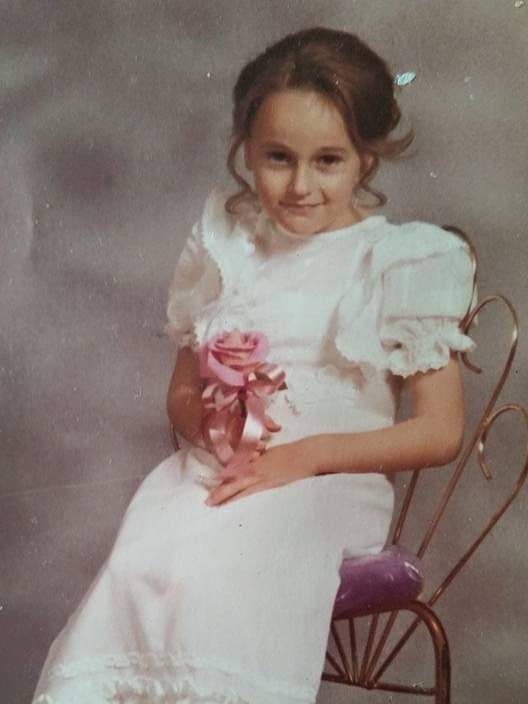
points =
(330, 159)
(277, 157)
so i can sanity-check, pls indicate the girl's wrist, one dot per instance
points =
(325, 453)
(312, 450)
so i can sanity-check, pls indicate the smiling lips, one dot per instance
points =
(300, 207)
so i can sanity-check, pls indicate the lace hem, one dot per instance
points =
(162, 678)
(155, 691)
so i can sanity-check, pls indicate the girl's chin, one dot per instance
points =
(300, 225)
(298, 231)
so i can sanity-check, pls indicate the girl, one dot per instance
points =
(221, 583)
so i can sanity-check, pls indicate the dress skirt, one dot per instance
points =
(228, 604)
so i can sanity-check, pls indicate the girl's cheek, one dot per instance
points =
(275, 181)
(337, 181)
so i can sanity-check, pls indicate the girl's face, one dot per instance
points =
(304, 165)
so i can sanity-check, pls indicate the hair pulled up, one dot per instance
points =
(340, 67)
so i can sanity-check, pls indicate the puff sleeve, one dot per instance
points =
(195, 283)
(404, 314)
(423, 302)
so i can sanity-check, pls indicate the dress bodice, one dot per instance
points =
(338, 309)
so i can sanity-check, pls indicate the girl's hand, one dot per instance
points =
(277, 466)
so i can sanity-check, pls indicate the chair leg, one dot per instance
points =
(441, 650)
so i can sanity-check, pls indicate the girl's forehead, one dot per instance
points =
(300, 115)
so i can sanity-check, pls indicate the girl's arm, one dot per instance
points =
(184, 398)
(433, 436)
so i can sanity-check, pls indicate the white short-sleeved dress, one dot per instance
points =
(232, 604)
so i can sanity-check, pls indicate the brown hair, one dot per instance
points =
(340, 67)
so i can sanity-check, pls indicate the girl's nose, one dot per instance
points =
(300, 184)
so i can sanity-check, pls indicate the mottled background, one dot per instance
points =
(113, 124)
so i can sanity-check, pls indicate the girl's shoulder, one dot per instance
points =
(215, 214)
(414, 241)
(226, 235)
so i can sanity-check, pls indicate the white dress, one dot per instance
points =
(232, 604)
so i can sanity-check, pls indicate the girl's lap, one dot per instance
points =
(168, 526)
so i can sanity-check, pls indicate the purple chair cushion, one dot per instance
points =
(381, 582)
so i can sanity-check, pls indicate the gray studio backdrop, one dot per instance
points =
(114, 118)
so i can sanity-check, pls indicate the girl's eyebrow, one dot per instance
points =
(275, 145)
(279, 145)
(334, 150)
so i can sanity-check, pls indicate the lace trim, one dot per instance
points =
(207, 216)
(430, 352)
(357, 339)
(163, 675)
(155, 691)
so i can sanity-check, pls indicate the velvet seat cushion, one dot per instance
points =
(381, 582)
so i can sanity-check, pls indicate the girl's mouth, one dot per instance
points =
(301, 208)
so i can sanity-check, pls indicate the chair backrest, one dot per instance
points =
(475, 444)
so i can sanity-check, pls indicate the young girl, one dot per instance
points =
(221, 583)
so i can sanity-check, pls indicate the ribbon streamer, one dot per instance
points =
(235, 423)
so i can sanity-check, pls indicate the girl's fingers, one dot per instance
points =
(231, 475)
(229, 489)
(253, 489)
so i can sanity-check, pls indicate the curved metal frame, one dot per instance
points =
(368, 672)
(351, 672)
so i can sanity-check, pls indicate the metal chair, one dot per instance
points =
(381, 587)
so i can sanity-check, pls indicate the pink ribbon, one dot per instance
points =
(238, 382)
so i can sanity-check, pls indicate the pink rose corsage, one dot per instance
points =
(237, 381)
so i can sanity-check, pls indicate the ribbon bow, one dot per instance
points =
(238, 382)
